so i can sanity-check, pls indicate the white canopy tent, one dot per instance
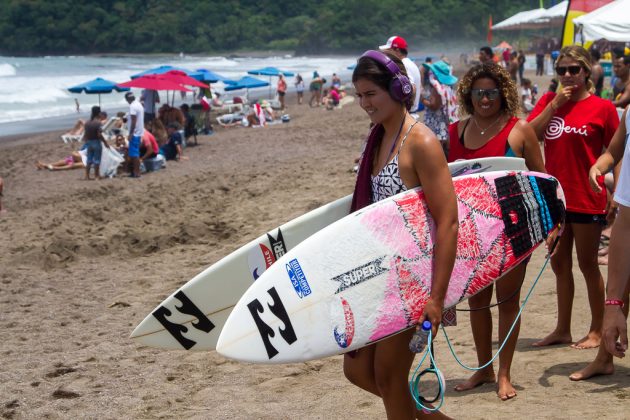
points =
(519, 19)
(610, 22)
(554, 13)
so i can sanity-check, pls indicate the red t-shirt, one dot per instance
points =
(574, 139)
(148, 138)
(496, 146)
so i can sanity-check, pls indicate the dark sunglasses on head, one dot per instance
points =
(491, 94)
(573, 70)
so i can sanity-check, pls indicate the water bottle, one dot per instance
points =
(420, 337)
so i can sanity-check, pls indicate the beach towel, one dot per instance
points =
(260, 114)
(449, 100)
(110, 160)
(205, 103)
(362, 196)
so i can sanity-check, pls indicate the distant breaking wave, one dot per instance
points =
(7, 70)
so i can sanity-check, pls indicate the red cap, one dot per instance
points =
(395, 42)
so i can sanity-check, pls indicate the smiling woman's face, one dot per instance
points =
(485, 107)
(375, 101)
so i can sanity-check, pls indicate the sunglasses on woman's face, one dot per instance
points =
(491, 94)
(573, 70)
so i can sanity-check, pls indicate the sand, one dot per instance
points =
(82, 263)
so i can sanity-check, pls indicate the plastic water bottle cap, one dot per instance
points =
(426, 325)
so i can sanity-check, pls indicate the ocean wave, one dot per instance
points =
(7, 70)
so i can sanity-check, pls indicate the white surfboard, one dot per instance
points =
(192, 317)
(368, 275)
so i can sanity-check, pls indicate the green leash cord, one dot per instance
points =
(414, 384)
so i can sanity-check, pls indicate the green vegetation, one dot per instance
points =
(50, 27)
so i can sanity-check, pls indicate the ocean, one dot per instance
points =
(35, 88)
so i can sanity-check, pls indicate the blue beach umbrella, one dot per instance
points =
(246, 82)
(271, 72)
(209, 76)
(164, 69)
(97, 86)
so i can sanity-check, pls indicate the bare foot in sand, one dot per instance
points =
(595, 368)
(421, 414)
(553, 338)
(591, 341)
(477, 379)
(506, 390)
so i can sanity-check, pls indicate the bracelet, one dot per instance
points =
(614, 302)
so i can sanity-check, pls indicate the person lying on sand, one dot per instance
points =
(1, 187)
(73, 161)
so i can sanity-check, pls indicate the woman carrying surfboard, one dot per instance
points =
(489, 104)
(576, 126)
(400, 154)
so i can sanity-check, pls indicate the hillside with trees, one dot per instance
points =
(63, 27)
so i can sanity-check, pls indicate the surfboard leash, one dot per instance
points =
(414, 383)
(516, 319)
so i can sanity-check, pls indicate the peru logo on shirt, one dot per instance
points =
(557, 127)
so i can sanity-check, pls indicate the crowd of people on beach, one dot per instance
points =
(143, 140)
(487, 115)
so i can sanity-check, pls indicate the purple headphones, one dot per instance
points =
(400, 87)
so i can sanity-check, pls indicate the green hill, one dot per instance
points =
(51, 27)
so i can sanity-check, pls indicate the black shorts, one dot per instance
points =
(281, 93)
(584, 218)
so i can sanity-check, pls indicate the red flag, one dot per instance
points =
(489, 36)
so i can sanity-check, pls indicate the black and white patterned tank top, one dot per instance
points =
(387, 182)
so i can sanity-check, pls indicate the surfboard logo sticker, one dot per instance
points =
(344, 339)
(298, 279)
(277, 244)
(287, 333)
(360, 274)
(202, 323)
(262, 257)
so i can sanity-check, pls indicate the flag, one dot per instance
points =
(489, 36)
(577, 8)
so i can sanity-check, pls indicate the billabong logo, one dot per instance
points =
(344, 339)
(360, 274)
(266, 332)
(298, 279)
(201, 323)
